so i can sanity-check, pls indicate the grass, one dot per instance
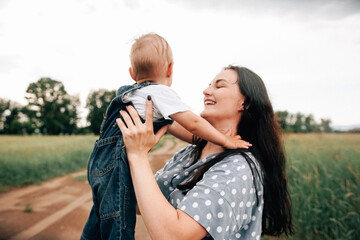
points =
(80, 178)
(33, 159)
(28, 208)
(162, 141)
(323, 171)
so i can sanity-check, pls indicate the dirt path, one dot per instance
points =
(58, 209)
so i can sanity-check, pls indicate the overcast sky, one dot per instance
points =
(307, 52)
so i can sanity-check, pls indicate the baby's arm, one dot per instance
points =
(180, 132)
(203, 129)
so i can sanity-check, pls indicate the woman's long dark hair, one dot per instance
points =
(258, 126)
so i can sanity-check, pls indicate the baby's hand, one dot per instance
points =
(235, 142)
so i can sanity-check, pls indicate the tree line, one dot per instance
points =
(302, 123)
(52, 111)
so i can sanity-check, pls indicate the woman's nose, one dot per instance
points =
(207, 91)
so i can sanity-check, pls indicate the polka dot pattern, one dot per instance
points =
(223, 202)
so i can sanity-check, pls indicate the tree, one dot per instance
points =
(4, 105)
(325, 125)
(13, 120)
(310, 124)
(51, 108)
(283, 118)
(299, 123)
(12, 124)
(97, 103)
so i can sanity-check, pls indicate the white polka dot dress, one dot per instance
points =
(223, 202)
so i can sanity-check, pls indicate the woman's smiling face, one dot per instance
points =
(223, 99)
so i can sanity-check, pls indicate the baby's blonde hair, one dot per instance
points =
(150, 56)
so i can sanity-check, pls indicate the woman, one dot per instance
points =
(205, 191)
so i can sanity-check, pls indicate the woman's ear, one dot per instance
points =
(132, 74)
(241, 108)
(244, 106)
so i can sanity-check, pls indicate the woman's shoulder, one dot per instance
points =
(243, 160)
(181, 156)
(236, 167)
(185, 150)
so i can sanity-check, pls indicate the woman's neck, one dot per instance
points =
(223, 127)
(211, 148)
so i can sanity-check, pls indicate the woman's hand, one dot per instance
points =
(139, 137)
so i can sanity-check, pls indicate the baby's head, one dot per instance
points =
(151, 57)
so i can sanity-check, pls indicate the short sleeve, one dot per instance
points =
(167, 101)
(222, 201)
(178, 157)
(165, 176)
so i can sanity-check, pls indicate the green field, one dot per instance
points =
(32, 159)
(324, 179)
(323, 171)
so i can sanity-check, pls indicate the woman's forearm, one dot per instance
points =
(156, 212)
(162, 220)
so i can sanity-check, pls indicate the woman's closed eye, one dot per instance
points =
(220, 83)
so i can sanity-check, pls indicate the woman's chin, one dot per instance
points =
(205, 114)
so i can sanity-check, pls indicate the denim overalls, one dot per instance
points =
(113, 215)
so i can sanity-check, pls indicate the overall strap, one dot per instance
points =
(133, 87)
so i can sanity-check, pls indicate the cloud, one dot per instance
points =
(3, 3)
(329, 9)
(8, 63)
(132, 3)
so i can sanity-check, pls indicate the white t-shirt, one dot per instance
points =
(165, 101)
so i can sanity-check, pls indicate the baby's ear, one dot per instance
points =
(132, 74)
(170, 69)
